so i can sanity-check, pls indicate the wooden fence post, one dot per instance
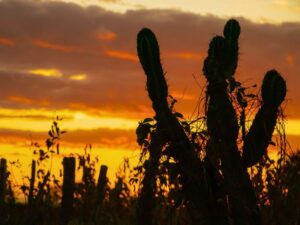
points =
(3, 178)
(32, 181)
(68, 190)
(101, 185)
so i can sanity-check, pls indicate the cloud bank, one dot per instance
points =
(101, 45)
(56, 55)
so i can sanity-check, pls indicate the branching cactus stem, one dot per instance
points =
(199, 177)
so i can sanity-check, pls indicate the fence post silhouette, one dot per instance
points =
(68, 189)
(32, 181)
(3, 177)
(102, 181)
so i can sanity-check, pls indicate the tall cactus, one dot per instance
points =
(223, 127)
(198, 176)
(219, 68)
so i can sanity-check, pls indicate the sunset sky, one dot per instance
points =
(77, 59)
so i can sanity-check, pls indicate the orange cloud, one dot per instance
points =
(187, 55)
(27, 101)
(77, 105)
(21, 99)
(107, 36)
(290, 59)
(53, 46)
(121, 55)
(142, 110)
(7, 41)
(77, 77)
(180, 96)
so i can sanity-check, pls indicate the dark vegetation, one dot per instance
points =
(212, 169)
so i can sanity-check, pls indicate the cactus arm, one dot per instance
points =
(149, 56)
(260, 133)
(148, 52)
(231, 33)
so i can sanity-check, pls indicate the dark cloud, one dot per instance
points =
(106, 138)
(101, 44)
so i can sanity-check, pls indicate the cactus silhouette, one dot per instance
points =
(170, 131)
(233, 201)
(258, 138)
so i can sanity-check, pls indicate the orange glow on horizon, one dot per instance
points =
(24, 153)
(75, 119)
